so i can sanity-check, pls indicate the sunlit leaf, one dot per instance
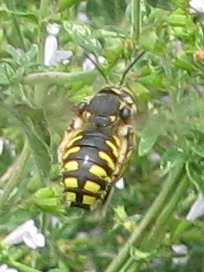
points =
(84, 36)
(139, 255)
(195, 172)
(65, 4)
(140, 91)
(170, 159)
(148, 40)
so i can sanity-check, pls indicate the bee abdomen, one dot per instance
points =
(87, 168)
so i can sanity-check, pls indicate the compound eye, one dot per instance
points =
(125, 113)
(82, 106)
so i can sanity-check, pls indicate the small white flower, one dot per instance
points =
(82, 17)
(53, 56)
(64, 56)
(50, 50)
(4, 144)
(51, 44)
(197, 5)
(180, 261)
(154, 157)
(54, 221)
(180, 250)
(53, 29)
(26, 233)
(88, 65)
(5, 268)
(197, 209)
(1, 145)
(120, 184)
(34, 240)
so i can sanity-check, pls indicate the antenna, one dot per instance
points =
(141, 53)
(97, 66)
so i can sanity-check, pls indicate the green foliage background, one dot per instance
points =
(145, 219)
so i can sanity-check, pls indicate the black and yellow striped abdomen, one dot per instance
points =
(89, 161)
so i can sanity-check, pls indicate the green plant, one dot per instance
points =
(148, 217)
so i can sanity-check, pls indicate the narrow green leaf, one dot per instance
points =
(13, 52)
(32, 53)
(153, 80)
(139, 255)
(140, 91)
(183, 226)
(185, 62)
(65, 4)
(148, 40)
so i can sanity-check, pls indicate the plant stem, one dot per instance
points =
(159, 226)
(21, 267)
(60, 77)
(16, 172)
(42, 14)
(149, 218)
(11, 6)
(135, 20)
(43, 10)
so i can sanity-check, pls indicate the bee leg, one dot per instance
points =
(127, 146)
(106, 201)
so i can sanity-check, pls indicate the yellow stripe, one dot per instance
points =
(88, 200)
(113, 147)
(104, 156)
(116, 91)
(92, 186)
(71, 196)
(129, 154)
(71, 182)
(99, 172)
(71, 166)
(74, 140)
(72, 150)
(113, 118)
(122, 105)
(88, 115)
(117, 139)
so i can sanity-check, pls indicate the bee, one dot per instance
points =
(98, 144)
